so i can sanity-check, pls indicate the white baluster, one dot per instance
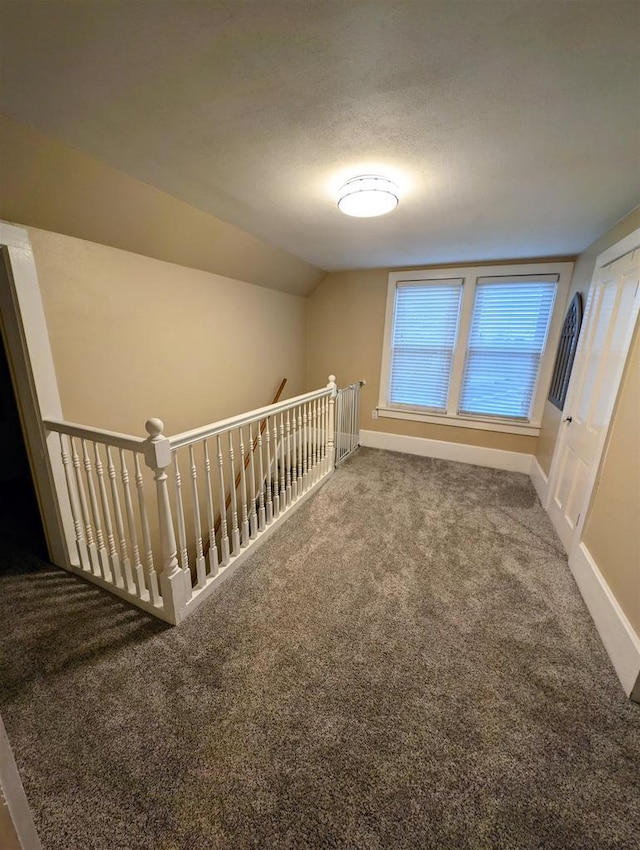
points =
(81, 543)
(359, 401)
(235, 531)
(84, 510)
(342, 420)
(348, 427)
(293, 461)
(305, 448)
(243, 492)
(299, 450)
(283, 479)
(342, 436)
(224, 539)
(127, 580)
(356, 413)
(352, 418)
(331, 454)
(269, 473)
(342, 413)
(183, 555)
(321, 423)
(114, 561)
(349, 442)
(253, 517)
(157, 453)
(138, 571)
(314, 444)
(262, 516)
(201, 567)
(103, 559)
(288, 451)
(322, 409)
(213, 549)
(339, 413)
(325, 423)
(152, 577)
(346, 448)
(276, 467)
(320, 436)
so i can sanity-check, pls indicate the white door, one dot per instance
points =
(610, 317)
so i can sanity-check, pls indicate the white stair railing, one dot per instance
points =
(149, 533)
(110, 511)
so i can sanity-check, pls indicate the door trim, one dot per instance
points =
(614, 252)
(15, 800)
(24, 329)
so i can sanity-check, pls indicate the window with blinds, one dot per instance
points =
(423, 342)
(472, 346)
(507, 337)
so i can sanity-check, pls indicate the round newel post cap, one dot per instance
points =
(332, 379)
(154, 427)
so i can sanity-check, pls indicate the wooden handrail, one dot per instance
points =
(247, 460)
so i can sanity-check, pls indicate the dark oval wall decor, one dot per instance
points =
(566, 352)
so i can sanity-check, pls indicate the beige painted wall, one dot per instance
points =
(134, 337)
(345, 327)
(612, 530)
(581, 281)
(47, 184)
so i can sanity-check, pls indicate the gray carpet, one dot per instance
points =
(407, 663)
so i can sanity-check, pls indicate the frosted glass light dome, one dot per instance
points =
(368, 196)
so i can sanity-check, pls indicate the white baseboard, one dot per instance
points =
(460, 452)
(540, 480)
(617, 634)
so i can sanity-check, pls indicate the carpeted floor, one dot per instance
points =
(407, 663)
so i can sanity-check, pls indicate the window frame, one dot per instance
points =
(470, 275)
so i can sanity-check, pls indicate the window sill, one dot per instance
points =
(485, 424)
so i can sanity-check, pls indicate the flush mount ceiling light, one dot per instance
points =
(368, 196)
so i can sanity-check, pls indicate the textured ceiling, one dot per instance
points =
(512, 127)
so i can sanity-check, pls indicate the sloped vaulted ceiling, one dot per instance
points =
(512, 127)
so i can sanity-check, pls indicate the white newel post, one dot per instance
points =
(331, 452)
(157, 455)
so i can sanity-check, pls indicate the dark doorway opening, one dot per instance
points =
(21, 531)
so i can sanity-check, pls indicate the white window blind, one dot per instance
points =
(423, 341)
(507, 338)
